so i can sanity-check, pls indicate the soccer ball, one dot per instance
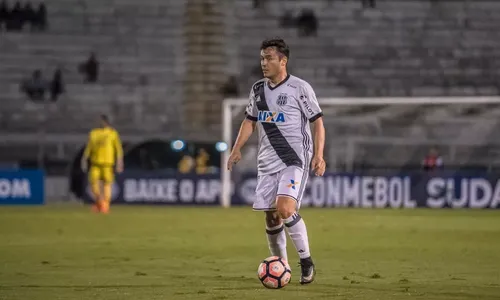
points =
(274, 272)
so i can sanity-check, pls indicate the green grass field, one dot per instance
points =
(66, 252)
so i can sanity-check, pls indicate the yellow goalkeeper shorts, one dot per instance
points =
(101, 173)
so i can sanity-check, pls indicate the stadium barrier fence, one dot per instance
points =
(437, 189)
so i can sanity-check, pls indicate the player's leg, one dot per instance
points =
(297, 231)
(290, 190)
(108, 179)
(276, 236)
(94, 177)
(265, 200)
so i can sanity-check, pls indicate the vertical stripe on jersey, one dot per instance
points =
(306, 142)
(279, 143)
(305, 146)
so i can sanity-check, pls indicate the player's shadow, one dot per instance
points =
(242, 282)
(252, 283)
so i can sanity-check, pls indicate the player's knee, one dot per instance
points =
(272, 219)
(285, 207)
(285, 213)
(95, 186)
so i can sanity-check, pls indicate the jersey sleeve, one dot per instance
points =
(308, 103)
(88, 147)
(251, 109)
(118, 145)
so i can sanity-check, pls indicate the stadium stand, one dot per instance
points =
(162, 63)
(401, 48)
(140, 49)
(204, 31)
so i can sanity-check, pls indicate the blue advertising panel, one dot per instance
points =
(138, 187)
(22, 187)
(370, 190)
(397, 190)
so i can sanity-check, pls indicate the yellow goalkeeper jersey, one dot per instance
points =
(103, 147)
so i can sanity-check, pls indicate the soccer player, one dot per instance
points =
(281, 107)
(104, 151)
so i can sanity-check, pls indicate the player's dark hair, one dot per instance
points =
(105, 118)
(279, 44)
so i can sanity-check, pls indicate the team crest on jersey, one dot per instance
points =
(270, 117)
(282, 99)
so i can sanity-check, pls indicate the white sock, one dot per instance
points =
(298, 233)
(276, 239)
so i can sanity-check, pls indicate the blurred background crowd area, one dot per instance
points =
(161, 68)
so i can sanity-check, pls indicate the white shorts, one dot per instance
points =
(290, 181)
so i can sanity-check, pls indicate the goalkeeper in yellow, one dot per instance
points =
(105, 153)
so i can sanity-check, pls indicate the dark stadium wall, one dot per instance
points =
(147, 156)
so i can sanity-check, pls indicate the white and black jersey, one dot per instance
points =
(283, 114)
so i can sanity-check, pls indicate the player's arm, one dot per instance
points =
(246, 129)
(310, 107)
(318, 162)
(86, 153)
(119, 152)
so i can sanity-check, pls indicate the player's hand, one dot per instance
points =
(234, 158)
(318, 165)
(119, 167)
(84, 165)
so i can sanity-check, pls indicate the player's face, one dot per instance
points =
(271, 62)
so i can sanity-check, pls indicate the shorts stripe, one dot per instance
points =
(303, 185)
(265, 209)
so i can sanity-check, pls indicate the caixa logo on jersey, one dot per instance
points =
(271, 117)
